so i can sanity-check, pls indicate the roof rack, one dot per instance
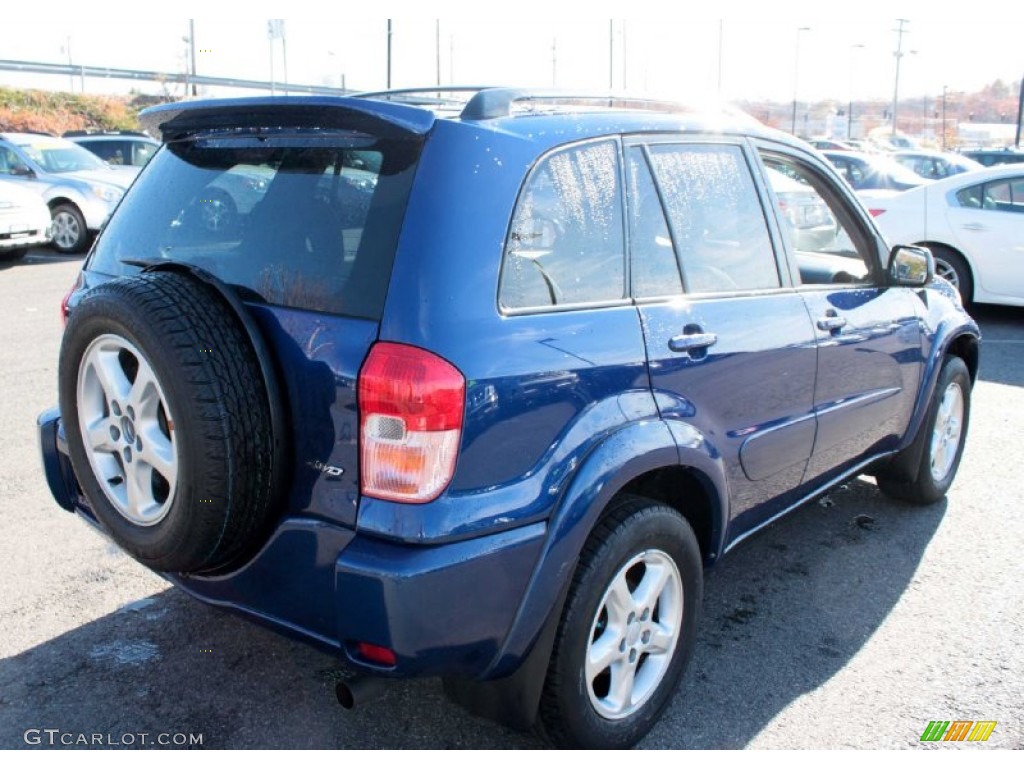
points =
(498, 102)
(488, 103)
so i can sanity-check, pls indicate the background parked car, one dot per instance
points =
(79, 188)
(116, 147)
(974, 227)
(935, 165)
(24, 221)
(864, 171)
(990, 157)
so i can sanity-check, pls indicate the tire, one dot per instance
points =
(13, 254)
(639, 544)
(70, 234)
(168, 421)
(951, 265)
(940, 442)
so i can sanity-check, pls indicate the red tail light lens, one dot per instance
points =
(876, 211)
(64, 309)
(410, 404)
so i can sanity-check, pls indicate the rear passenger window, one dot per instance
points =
(716, 218)
(655, 271)
(565, 245)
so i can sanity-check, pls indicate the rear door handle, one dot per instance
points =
(831, 322)
(688, 342)
(974, 226)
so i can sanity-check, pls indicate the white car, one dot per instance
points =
(24, 221)
(974, 225)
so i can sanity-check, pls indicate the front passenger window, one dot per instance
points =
(827, 242)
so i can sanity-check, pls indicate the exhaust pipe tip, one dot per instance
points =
(357, 691)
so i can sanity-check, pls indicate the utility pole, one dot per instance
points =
(554, 62)
(389, 54)
(1020, 113)
(796, 76)
(611, 54)
(849, 111)
(720, 34)
(944, 118)
(192, 49)
(437, 48)
(625, 56)
(899, 55)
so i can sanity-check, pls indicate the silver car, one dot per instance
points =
(79, 188)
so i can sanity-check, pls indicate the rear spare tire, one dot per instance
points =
(168, 421)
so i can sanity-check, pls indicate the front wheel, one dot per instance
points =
(627, 629)
(941, 439)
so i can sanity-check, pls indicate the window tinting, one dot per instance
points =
(716, 217)
(565, 244)
(297, 221)
(970, 197)
(654, 269)
(825, 239)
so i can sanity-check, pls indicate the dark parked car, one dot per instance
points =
(990, 157)
(479, 394)
(116, 147)
(864, 171)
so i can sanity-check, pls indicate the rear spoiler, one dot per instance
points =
(385, 119)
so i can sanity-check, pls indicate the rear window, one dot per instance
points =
(302, 220)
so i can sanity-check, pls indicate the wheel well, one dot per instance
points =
(61, 201)
(689, 493)
(937, 248)
(966, 348)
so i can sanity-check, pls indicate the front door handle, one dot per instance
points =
(690, 342)
(831, 322)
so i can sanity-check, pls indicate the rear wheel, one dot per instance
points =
(951, 266)
(627, 630)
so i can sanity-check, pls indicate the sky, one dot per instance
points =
(729, 50)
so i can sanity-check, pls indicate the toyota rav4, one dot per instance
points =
(478, 392)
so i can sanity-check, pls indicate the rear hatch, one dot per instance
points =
(297, 204)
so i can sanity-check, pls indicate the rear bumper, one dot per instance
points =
(444, 610)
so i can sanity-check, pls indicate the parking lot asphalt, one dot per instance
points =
(851, 623)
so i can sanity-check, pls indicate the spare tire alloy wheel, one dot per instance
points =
(168, 422)
(128, 429)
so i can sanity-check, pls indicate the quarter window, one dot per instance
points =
(565, 244)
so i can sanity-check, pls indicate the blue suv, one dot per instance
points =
(478, 391)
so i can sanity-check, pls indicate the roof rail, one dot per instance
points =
(487, 103)
(491, 103)
(431, 97)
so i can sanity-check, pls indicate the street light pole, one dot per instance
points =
(796, 75)
(896, 86)
(389, 54)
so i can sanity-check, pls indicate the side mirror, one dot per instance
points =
(911, 265)
(21, 170)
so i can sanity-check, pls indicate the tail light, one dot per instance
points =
(65, 310)
(876, 211)
(411, 404)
